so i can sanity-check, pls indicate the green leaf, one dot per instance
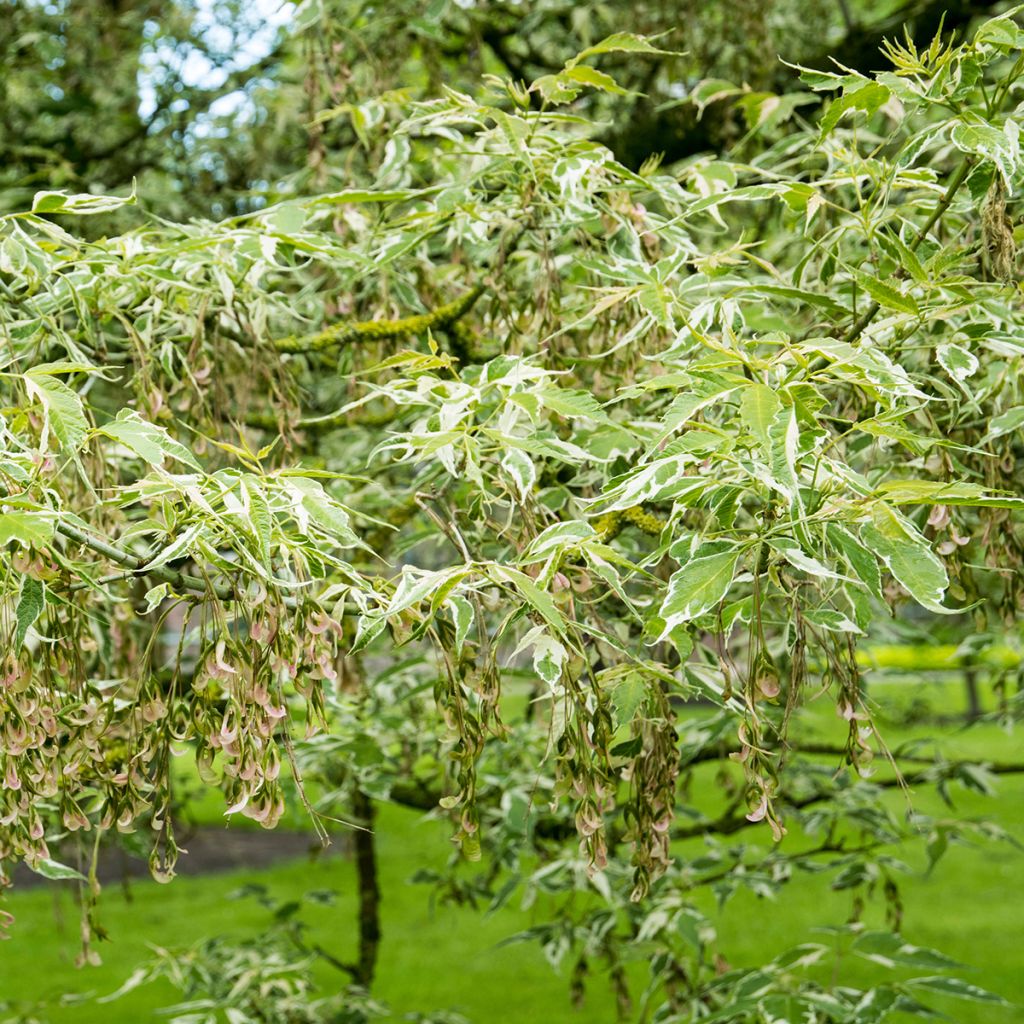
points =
(556, 89)
(905, 256)
(539, 600)
(908, 556)
(620, 42)
(63, 408)
(1002, 33)
(573, 404)
(596, 79)
(958, 988)
(759, 407)
(628, 695)
(867, 98)
(888, 296)
(833, 621)
(149, 441)
(462, 616)
(711, 90)
(697, 587)
(30, 606)
(32, 529)
(977, 137)
(1006, 423)
(55, 870)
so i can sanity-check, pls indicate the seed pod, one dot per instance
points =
(997, 233)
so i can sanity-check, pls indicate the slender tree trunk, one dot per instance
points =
(973, 697)
(369, 888)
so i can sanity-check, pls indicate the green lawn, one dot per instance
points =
(448, 957)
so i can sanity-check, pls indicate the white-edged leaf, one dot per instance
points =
(908, 556)
(53, 869)
(416, 585)
(1006, 423)
(462, 616)
(156, 595)
(697, 587)
(549, 654)
(559, 536)
(147, 440)
(63, 407)
(323, 510)
(519, 466)
(957, 362)
(79, 204)
(958, 988)
(176, 549)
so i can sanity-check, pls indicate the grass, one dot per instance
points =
(434, 957)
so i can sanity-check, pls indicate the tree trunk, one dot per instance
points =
(369, 888)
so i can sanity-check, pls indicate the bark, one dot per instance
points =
(369, 888)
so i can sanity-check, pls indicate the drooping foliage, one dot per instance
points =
(334, 485)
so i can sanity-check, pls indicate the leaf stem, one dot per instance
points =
(859, 326)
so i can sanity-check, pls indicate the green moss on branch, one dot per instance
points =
(439, 319)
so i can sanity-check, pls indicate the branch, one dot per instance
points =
(199, 102)
(320, 424)
(549, 826)
(137, 566)
(730, 823)
(369, 888)
(438, 319)
(858, 328)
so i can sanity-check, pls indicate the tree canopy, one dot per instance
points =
(552, 414)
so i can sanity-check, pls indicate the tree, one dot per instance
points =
(214, 113)
(96, 93)
(554, 444)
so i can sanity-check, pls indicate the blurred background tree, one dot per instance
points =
(214, 106)
(219, 109)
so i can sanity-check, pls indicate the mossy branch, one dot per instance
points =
(439, 319)
(609, 526)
